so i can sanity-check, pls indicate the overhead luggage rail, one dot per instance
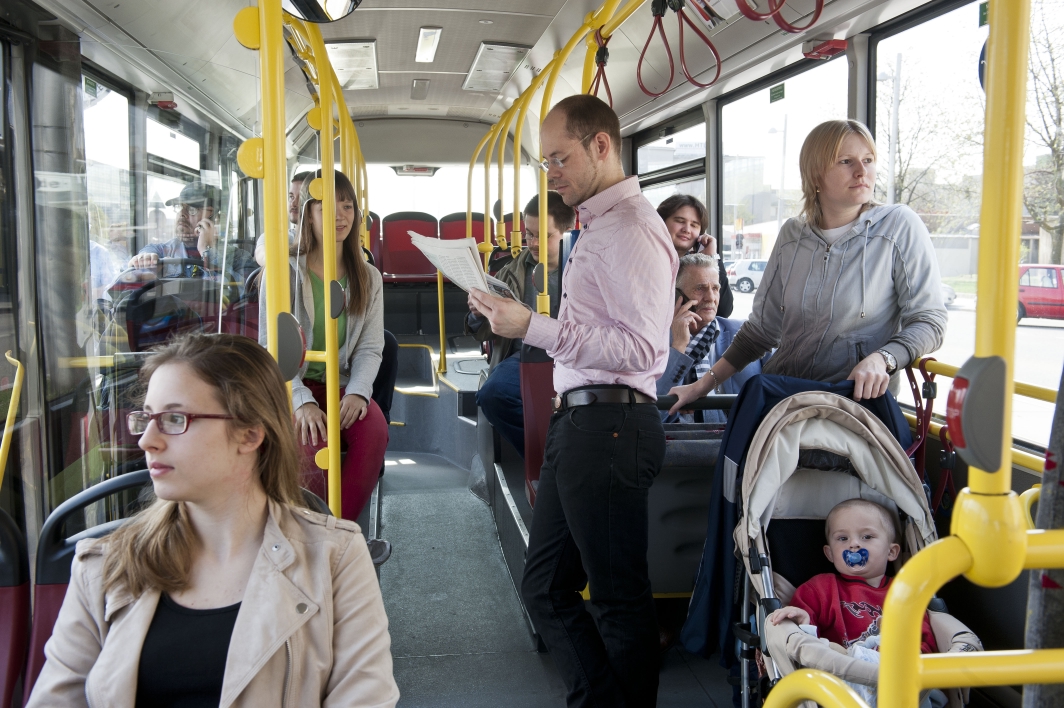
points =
(991, 544)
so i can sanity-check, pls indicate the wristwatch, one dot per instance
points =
(892, 363)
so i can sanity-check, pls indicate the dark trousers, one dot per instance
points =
(500, 399)
(589, 527)
(384, 384)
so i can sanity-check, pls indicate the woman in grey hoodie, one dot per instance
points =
(852, 288)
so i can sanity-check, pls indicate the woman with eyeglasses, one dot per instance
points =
(360, 335)
(224, 590)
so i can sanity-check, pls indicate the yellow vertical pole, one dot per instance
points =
(469, 185)
(504, 131)
(589, 63)
(328, 207)
(275, 207)
(1002, 212)
(989, 542)
(487, 191)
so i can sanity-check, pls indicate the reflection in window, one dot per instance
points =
(1039, 278)
(172, 145)
(761, 140)
(694, 187)
(106, 116)
(682, 146)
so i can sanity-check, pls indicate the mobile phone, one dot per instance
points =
(683, 297)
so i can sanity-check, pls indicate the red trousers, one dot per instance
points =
(365, 442)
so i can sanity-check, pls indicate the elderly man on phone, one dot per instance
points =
(605, 443)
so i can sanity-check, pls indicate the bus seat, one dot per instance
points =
(537, 390)
(375, 239)
(315, 503)
(453, 226)
(384, 383)
(401, 261)
(498, 258)
(55, 553)
(14, 606)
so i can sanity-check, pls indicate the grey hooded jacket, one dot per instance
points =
(360, 354)
(825, 308)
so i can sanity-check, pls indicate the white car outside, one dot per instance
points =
(745, 275)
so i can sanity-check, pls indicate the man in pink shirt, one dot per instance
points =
(605, 444)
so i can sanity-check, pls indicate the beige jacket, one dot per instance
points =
(311, 630)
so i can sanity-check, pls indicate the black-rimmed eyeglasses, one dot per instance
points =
(169, 422)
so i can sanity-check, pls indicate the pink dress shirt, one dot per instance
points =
(613, 323)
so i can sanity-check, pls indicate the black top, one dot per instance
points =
(182, 662)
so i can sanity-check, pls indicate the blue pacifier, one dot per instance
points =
(855, 558)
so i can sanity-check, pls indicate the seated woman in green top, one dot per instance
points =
(360, 333)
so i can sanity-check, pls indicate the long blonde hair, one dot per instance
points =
(154, 549)
(358, 277)
(819, 152)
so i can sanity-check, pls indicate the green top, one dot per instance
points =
(316, 371)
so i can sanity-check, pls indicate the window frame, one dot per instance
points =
(681, 172)
(893, 27)
(116, 85)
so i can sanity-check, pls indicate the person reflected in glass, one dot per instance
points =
(225, 589)
(851, 290)
(196, 241)
(360, 336)
(687, 219)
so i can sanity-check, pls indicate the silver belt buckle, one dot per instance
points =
(556, 403)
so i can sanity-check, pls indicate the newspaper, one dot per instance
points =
(460, 262)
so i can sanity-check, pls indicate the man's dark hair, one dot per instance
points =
(300, 177)
(678, 201)
(564, 216)
(588, 115)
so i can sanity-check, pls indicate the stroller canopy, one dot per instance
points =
(817, 420)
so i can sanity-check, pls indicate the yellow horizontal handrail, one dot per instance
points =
(813, 685)
(1024, 389)
(992, 668)
(1026, 460)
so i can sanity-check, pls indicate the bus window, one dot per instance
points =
(929, 111)
(761, 134)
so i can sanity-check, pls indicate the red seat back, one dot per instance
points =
(537, 390)
(453, 226)
(55, 553)
(400, 260)
(14, 606)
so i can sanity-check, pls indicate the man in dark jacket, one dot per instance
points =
(500, 396)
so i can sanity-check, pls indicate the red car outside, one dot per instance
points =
(1041, 292)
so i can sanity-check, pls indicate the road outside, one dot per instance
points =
(1039, 361)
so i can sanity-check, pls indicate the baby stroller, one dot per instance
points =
(812, 451)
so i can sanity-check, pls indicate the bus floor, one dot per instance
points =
(459, 637)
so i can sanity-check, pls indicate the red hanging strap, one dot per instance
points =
(682, 17)
(752, 14)
(787, 26)
(602, 56)
(657, 7)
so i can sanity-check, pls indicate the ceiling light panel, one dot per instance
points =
(427, 41)
(493, 65)
(355, 63)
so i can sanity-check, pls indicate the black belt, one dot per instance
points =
(589, 395)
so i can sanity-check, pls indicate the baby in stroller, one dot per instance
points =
(845, 607)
